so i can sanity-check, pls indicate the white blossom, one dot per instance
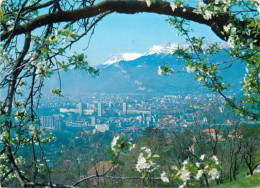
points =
(200, 79)
(2, 136)
(202, 5)
(132, 147)
(10, 22)
(147, 150)
(173, 6)
(164, 178)
(33, 56)
(67, 38)
(215, 158)
(227, 27)
(199, 174)
(227, 2)
(185, 175)
(258, 9)
(141, 163)
(56, 34)
(183, 185)
(19, 160)
(145, 162)
(38, 71)
(19, 114)
(190, 69)
(148, 3)
(32, 130)
(251, 46)
(214, 174)
(221, 108)
(40, 67)
(231, 41)
(225, 8)
(248, 32)
(208, 14)
(114, 142)
(217, 1)
(202, 157)
(185, 162)
(216, 8)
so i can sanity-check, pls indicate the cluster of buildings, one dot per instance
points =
(105, 112)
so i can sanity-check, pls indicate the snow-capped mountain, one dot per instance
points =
(137, 73)
(167, 48)
(123, 57)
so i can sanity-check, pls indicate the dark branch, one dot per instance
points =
(128, 7)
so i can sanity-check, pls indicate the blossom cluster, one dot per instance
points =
(165, 70)
(114, 143)
(202, 9)
(4, 169)
(119, 143)
(145, 161)
(164, 177)
(207, 166)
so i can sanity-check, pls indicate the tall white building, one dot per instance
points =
(93, 122)
(124, 108)
(47, 122)
(79, 107)
(99, 109)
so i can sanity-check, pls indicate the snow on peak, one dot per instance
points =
(167, 48)
(156, 49)
(123, 57)
(170, 47)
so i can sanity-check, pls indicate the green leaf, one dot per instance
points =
(1, 14)
(56, 92)
(6, 134)
(110, 161)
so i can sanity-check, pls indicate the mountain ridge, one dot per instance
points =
(167, 48)
(140, 76)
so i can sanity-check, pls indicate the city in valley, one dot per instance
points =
(124, 113)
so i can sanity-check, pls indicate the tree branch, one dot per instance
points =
(119, 6)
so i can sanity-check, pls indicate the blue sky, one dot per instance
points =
(118, 33)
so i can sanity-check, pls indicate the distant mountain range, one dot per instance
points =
(137, 74)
